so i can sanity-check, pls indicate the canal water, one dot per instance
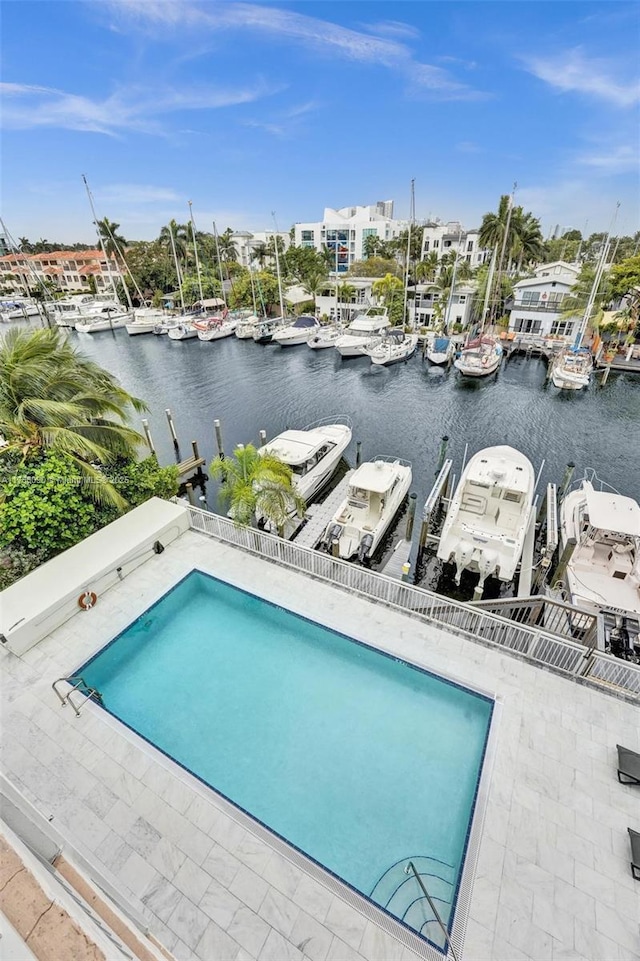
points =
(402, 411)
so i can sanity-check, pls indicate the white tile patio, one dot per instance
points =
(552, 878)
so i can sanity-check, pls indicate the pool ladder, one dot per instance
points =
(80, 687)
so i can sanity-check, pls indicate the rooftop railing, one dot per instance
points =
(534, 644)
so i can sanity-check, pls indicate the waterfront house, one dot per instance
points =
(535, 311)
(423, 307)
(443, 238)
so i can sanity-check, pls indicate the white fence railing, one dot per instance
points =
(564, 655)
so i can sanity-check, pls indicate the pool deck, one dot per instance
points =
(552, 879)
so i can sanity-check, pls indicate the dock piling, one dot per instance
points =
(174, 436)
(335, 547)
(413, 498)
(262, 434)
(605, 375)
(190, 494)
(565, 557)
(218, 430)
(566, 480)
(406, 568)
(358, 447)
(442, 453)
(147, 434)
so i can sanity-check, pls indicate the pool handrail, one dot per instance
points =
(411, 866)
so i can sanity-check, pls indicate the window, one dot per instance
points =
(436, 244)
(426, 246)
(469, 245)
(530, 296)
(446, 243)
(555, 298)
(307, 235)
(462, 298)
(563, 327)
(525, 325)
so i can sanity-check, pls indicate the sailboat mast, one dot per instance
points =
(447, 314)
(100, 238)
(487, 293)
(596, 281)
(135, 284)
(195, 250)
(215, 235)
(275, 244)
(412, 214)
(178, 272)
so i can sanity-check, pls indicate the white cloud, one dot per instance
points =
(320, 35)
(132, 108)
(620, 159)
(284, 123)
(393, 28)
(127, 194)
(573, 72)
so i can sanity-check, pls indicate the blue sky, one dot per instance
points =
(248, 108)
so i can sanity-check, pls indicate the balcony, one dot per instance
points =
(545, 306)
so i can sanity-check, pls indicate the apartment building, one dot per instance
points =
(68, 270)
(344, 231)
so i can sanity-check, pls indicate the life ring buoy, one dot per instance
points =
(87, 600)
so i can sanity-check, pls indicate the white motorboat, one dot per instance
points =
(572, 368)
(324, 337)
(263, 334)
(107, 318)
(480, 357)
(376, 491)
(215, 329)
(313, 453)
(68, 312)
(362, 331)
(296, 333)
(17, 310)
(395, 347)
(489, 515)
(440, 350)
(604, 568)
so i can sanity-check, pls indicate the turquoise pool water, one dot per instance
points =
(358, 759)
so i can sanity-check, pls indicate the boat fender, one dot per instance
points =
(485, 361)
(87, 600)
(334, 532)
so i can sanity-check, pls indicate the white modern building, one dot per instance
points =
(443, 238)
(423, 308)
(344, 231)
(246, 242)
(537, 305)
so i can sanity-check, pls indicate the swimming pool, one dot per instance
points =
(359, 760)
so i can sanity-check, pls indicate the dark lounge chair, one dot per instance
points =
(628, 766)
(634, 837)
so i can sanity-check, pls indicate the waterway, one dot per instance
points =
(403, 410)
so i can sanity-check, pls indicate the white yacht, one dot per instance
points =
(110, 317)
(440, 349)
(17, 310)
(480, 357)
(489, 515)
(324, 337)
(362, 332)
(572, 368)
(216, 327)
(296, 333)
(73, 309)
(604, 568)
(313, 453)
(395, 347)
(376, 491)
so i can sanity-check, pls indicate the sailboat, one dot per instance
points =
(440, 349)
(264, 332)
(573, 366)
(395, 347)
(247, 326)
(482, 354)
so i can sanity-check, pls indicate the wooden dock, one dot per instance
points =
(320, 514)
(190, 465)
(400, 556)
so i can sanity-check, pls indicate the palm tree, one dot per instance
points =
(54, 399)
(114, 243)
(427, 268)
(370, 246)
(227, 247)
(527, 244)
(258, 485)
(314, 282)
(26, 247)
(181, 237)
(260, 253)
